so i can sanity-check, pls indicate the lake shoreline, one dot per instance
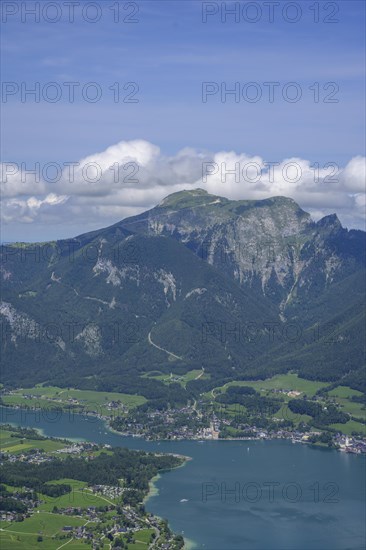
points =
(153, 490)
(107, 422)
(228, 463)
(189, 544)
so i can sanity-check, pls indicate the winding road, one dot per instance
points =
(162, 349)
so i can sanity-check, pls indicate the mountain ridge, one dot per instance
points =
(195, 282)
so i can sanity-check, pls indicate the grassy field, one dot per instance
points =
(144, 535)
(86, 400)
(80, 497)
(349, 427)
(97, 452)
(141, 538)
(18, 445)
(344, 392)
(181, 379)
(10, 488)
(23, 535)
(290, 382)
(283, 413)
(352, 407)
(343, 396)
(18, 399)
(286, 414)
(77, 545)
(137, 546)
(15, 541)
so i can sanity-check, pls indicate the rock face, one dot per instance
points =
(198, 281)
(271, 246)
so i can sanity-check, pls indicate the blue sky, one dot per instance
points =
(169, 53)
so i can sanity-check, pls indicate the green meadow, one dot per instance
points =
(353, 408)
(344, 392)
(349, 427)
(342, 395)
(141, 538)
(18, 445)
(78, 498)
(290, 382)
(23, 535)
(49, 397)
(182, 379)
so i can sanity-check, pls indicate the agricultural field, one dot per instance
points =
(281, 386)
(18, 445)
(343, 396)
(23, 535)
(76, 545)
(349, 427)
(353, 408)
(10, 489)
(96, 453)
(141, 539)
(18, 400)
(182, 379)
(80, 400)
(286, 414)
(80, 497)
(344, 392)
(285, 382)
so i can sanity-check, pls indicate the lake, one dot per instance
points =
(241, 495)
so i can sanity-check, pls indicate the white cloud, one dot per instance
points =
(17, 180)
(94, 192)
(28, 210)
(354, 175)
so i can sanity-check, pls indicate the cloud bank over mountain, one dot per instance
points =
(131, 176)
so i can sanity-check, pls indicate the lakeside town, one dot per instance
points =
(113, 515)
(337, 441)
(199, 420)
(102, 515)
(107, 513)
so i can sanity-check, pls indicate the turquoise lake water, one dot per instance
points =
(242, 495)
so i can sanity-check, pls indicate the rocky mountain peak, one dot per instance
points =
(265, 244)
(154, 281)
(330, 221)
(188, 199)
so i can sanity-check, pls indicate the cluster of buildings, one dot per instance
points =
(350, 444)
(78, 448)
(97, 528)
(116, 405)
(9, 516)
(34, 457)
(182, 423)
(109, 491)
(289, 393)
(127, 522)
(188, 423)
